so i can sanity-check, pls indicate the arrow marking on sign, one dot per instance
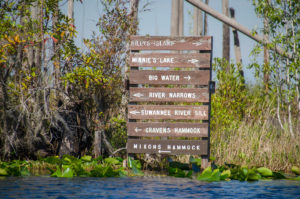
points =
(137, 129)
(138, 95)
(187, 77)
(134, 112)
(198, 43)
(193, 61)
(160, 151)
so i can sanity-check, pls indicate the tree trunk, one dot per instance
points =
(266, 54)
(56, 63)
(226, 35)
(71, 10)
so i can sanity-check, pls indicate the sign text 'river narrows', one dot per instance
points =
(169, 95)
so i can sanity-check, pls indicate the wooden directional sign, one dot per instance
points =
(170, 60)
(172, 147)
(194, 61)
(200, 77)
(170, 43)
(169, 95)
(167, 129)
(167, 112)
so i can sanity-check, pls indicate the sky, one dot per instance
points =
(156, 21)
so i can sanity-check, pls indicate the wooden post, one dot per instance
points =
(198, 22)
(177, 18)
(205, 20)
(236, 25)
(237, 49)
(134, 5)
(174, 18)
(98, 143)
(226, 35)
(180, 18)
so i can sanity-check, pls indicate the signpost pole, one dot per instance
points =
(132, 155)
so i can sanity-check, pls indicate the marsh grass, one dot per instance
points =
(256, 143)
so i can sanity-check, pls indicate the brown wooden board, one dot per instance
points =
(167, 129)
(169, 95)
(167, 112)
(170, 43)
(171, 147)
(199, 60)
(200, 77)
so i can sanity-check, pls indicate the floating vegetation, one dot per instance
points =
(68, 166)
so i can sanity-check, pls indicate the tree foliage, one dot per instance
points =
(53, 96)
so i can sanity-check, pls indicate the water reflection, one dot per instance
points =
(143, 187)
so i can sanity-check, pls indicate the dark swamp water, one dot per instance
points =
(143, 187)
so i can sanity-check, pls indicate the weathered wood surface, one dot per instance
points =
(171, 147)
(199, 60)
(167, 112)
(167, 129)
(170, 43)
(200, 77)
(169, 95)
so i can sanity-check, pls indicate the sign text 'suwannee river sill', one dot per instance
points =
(169, 95)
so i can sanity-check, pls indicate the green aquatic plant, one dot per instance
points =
(296, 170)
(136, 166)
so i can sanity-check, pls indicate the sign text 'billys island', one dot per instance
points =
(165, 89)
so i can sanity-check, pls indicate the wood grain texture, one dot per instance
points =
(167, 112)
(163, 129)
(170, 43)
(200, 77)
(169, 94)
(199, 60)
(170, 147)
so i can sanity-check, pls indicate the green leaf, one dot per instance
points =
(296, 170)
(254, 177)
(52, 160)
(86, 158)
(25, 172)
(112, 161)
(278, 175)
(225, 174)
(3, 172)
(205, 175)
(265, 172)
(57, 173)
(68, 173)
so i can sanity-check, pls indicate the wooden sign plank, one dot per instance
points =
(200, 60)
(167, 129)
(171, 147)
(170, 43)
(169, 94)
(199, 77)
(167, 112)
